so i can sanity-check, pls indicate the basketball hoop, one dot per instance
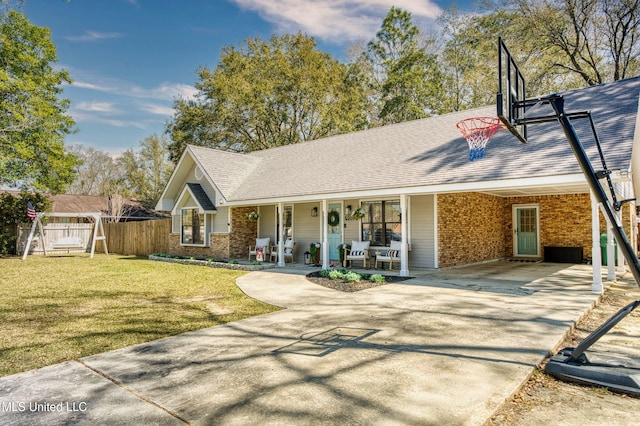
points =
(477, 131)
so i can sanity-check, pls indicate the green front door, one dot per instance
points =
(526, 228)
(335, 231)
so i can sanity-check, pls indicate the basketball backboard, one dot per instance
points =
(511, 93)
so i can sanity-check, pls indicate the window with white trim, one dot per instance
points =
(192, 227)
(381, 223)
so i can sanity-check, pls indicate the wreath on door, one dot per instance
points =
(333, 218)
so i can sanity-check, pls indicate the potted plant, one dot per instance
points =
(341, 249)
(314, 248)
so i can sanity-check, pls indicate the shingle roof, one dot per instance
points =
(228, 170)
(430, 151)
(201, 196)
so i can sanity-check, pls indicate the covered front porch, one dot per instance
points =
(334, 224)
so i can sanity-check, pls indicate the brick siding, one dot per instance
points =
(243, 232)
(233, 245)
(475, 227)
(470, 228)
(565, 221)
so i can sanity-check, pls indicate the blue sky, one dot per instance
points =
(130, 58)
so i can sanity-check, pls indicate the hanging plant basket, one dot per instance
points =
(357, 214)
(253, 216)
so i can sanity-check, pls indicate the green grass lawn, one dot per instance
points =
(54, 309)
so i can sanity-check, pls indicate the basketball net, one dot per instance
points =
(477, 131)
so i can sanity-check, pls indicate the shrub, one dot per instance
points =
(13, 211)
(345, 275)
(376, 278)
(352, 276)
(336, 275)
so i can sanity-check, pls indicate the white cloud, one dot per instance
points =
(335, 20)
(165, 91)
(91, 117)
(94, 106)
(94, 36)
(158, 109)
(169, 91)
(90, 86)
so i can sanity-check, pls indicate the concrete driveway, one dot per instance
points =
(445, 347)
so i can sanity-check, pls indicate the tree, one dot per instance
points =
(463, 61)
(145, 173)
(13, 211)
(469, 57)
(593, 39)
(141, 174)
(407, 78)
(97, 173)
(267, 94)
(33, 122)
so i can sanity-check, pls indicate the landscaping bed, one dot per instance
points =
(236, 265)
(350, 284)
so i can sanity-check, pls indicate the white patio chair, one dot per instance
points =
(289, 246)
(359, 251)
(265, 244)
(392, 255)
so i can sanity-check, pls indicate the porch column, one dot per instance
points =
(596, 258)
(280, 235)
(620, 263)
(325, 235)
(611, 252)
(404, 252)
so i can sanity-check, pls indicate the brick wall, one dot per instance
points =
(565, 221)
(243, 232)
(177, 249)
(476, 227)
(470, 228)
(220, 245)
(223, 246)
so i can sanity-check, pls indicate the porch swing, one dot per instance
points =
(66, 242)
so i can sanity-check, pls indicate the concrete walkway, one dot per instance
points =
(443, 348)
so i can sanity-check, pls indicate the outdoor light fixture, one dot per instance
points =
(307, 258)
(314, 212)
(347, 210)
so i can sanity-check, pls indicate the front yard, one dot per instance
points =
(54, 309)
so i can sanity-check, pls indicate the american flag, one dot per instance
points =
(31, 210)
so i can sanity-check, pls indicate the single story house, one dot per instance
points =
(415, 184)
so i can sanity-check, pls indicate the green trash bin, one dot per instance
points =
(603, 249)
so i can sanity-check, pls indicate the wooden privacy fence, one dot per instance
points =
(137, 238)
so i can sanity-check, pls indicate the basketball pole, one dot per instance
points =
(571, 364)
(593, 180)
